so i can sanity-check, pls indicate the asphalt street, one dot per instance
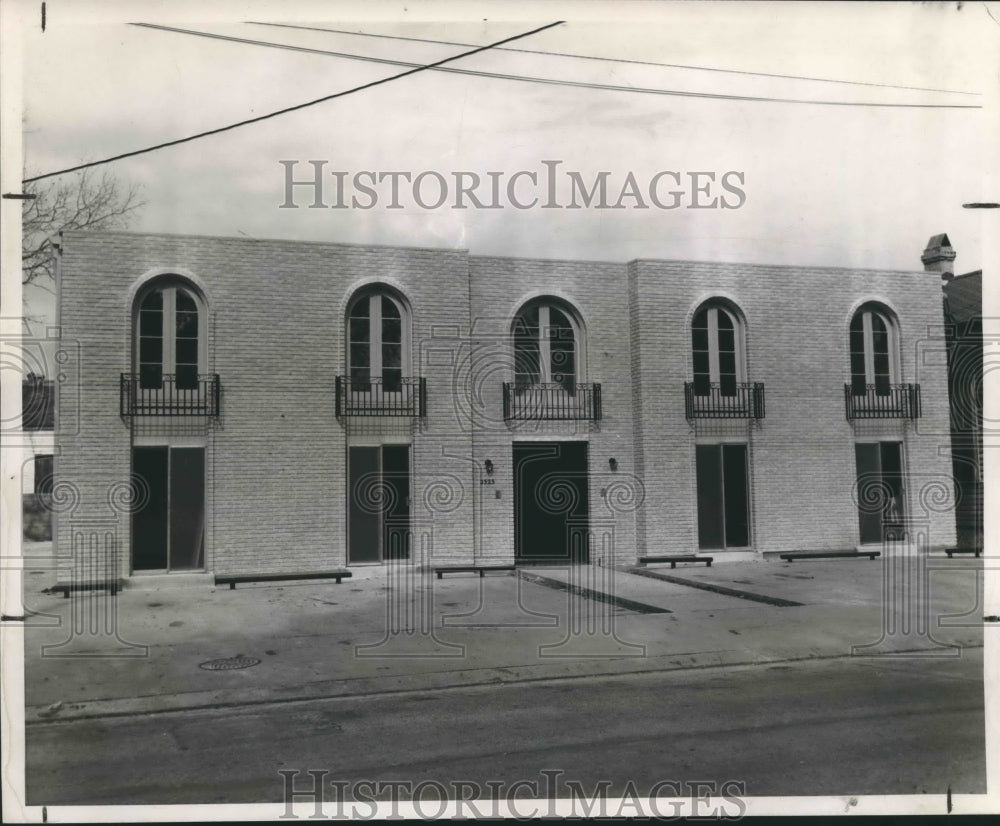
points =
(839, 726)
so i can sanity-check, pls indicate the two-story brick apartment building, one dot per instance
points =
(248, 406)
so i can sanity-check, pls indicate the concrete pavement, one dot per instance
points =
(396, 629)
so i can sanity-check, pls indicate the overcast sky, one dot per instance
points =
(855, 186)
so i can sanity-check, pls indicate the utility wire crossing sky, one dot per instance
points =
(287, 109)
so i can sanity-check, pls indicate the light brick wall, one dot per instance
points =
(597, 292)
(277, 455)
(803, 466)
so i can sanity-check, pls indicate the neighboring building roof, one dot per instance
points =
(964, 297)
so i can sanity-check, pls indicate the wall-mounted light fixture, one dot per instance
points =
(488, 464)
(613, 464)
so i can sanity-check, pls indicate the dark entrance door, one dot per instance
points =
(723, 496)
(168, 527)
(880, 489)
(378, 503)
(551, 506)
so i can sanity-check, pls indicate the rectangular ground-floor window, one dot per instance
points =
(880, 490)
(723, 496)
(168, 523)
(43, 474)
(378, 503)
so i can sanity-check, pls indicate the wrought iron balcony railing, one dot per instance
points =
(744, 400)
(377, 397)
(172, 396)
(551, 400)
(891, 401)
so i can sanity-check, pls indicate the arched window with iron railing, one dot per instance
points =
(169, 353)
(720, 388)
(548, 350)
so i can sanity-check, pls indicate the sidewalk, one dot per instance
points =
(142, 651)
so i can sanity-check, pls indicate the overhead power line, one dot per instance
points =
(577, 84)
(617, 59)
(259, 118)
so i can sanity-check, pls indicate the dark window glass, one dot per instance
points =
(187, 325)
(150, 376)
(392, 379)
(360, 355)
(150, 350)
(562, 350)
(168, 336)
(187, 351)
(43, 474)
(389, 309)
(187, 376)
(151, 323)
(879, 373)
(527, 356)
(392, 355)
(359, 329)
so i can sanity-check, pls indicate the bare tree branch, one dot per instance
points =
(83, 202)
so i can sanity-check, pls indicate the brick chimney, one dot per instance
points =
(938, 257)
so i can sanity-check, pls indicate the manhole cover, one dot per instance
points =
(229, 663)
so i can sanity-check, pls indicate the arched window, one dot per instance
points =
(169, 335)
(545, 346)
(873, 357)
(717, 351)
(376, 347)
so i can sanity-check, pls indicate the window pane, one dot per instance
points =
(529, 317)
(392, 330)
(527, 358)
(150, 350)
(563, 363)
(859, 377)
(735, 495)
(727, 373)
(187, 351)
(725, 322)
(153, 301)
(727, 340)
(389, 308)
(150, 376)
(391, 356)
(527, 368)
(43, 474)
(187, 508)
(360, 355)
(187, 325)
(708, 476)
(392, 380)
(185, 302)
(359, 329)
(187, 376)
(727, 364)
(360, 379)
(701, 363)
(150, 323)
(360, 308)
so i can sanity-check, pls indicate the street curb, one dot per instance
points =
(442, 680)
